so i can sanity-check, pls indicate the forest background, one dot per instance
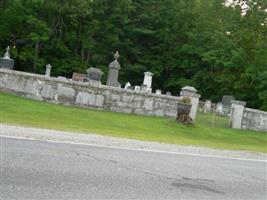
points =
(218, 49)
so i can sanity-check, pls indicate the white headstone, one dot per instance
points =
(219, 109)
(158, 91)
(48, 70)
(148, 79)
(128, 84)
(236, 114)
(207, 106)
(137, 88)
(7, 54)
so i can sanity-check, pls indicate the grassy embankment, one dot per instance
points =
(209, 130)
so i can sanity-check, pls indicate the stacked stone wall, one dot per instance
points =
(89, 95)
(254, 120)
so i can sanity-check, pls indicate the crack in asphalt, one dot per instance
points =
(181, 182)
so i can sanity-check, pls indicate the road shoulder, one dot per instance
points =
(129, 144)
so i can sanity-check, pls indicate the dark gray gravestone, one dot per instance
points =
(113, 73)
(94, 74)
(6, 62)
(226, 100)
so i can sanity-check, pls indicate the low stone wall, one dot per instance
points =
(247, 118)
(68, 92)
(254, 120)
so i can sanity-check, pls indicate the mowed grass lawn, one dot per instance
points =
(208, 131)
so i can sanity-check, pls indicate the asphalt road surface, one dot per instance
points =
(47, 170)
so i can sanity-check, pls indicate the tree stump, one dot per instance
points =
(184, 118)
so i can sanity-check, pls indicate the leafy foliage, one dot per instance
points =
(216, 48)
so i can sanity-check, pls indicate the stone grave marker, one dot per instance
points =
(148, 80)
(207, 106)
(78, 77)
(94, 74)
(127, 85)
(168, 93)
(137, 88)
(48, 68)
(158, 91)
(219, 109)
(113, 74)
(6, 62)
(226, 100)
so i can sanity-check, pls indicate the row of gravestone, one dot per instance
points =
(221, 108)
(94, 75)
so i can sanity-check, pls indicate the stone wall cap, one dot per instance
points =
(256, 111)
(148, 73)
(93, 69)
(236, 102)
(189, 88)
(6, 58)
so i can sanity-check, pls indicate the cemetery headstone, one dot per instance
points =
(94, 74)
(113, 74)
(127, 85)
(143, 88)
(48, 70)
(226, 100)
(158, 91)
(148, 80)
(219, 109)
(207, 106)
(137, 88)
(168, 93)
(78, 77)
(6, 62)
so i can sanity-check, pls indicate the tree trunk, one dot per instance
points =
(78, 34)
(184, 118)
(88, 55)
(37, 46)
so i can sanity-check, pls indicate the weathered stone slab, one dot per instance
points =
(47, 92)
(100, 100)
(148, 104)
(82, 98)
(31, 86)
(65, 91)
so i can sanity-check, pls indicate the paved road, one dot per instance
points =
(46, 170)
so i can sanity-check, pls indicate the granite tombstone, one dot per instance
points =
(113, 74)
(6, 62)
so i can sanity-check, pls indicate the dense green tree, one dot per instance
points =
(216, 48)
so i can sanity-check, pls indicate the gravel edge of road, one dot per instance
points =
(99, 140)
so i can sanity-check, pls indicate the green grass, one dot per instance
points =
(209, 130)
